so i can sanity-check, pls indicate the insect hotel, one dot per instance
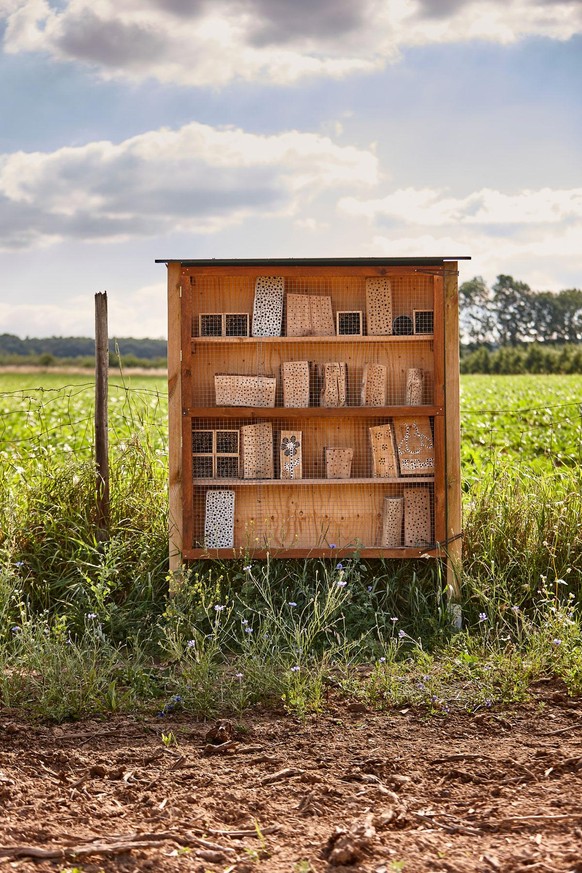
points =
(314, 408)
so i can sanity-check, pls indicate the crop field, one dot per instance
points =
(532, 421)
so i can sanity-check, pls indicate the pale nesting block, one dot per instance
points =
(257, 451)
(392, 515)
(374, 385)
(378, 306)
(268, 306)
(417, 517)
(415, 446)
(219, 520)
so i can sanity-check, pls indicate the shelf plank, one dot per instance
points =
(426, 480)
(298, 340)
(316, 552)
(285, 412)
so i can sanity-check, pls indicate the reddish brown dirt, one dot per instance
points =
(350, 790)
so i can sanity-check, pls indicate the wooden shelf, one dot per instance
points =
(214, 412)
(407, 480)
(316, 552)
(295, 340)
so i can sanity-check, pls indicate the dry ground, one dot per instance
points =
(350, 790)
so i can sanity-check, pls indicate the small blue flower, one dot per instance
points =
(556, 642)
(219, 607)
(394, 619)
(291, 603)
(401, 634)
(248, 568)
(19, 564)
(296, 668)
(482, 616)
(248, 630)
(91, 615)
(382, 660)
(332, 546)
(176, 698)
(191, 644)
(341, 583)
(238, 676)
(244, 621)
(369, 588)
(339, 566)
(16, 629)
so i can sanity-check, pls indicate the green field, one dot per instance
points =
(531, 421)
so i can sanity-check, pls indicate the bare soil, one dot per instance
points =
(350, 790)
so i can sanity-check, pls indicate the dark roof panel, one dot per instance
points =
(313, 262)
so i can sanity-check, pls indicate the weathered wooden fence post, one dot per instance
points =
(101, 420)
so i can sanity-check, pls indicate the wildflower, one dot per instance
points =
(341, 583)
(244, 621)
(296, 668)
(515, 608)
(556, 642)
(339, 566)
(482, 616)
(369, 588)
(381, 660)
(91, 615)
(291, 603)
(394, 619)
(561, 582)
(16, 629)
(176, 698)
(238, 676)
(191, 644)
(19, 564)
(248, 568)
(248, 630)
(219, 607)
(401, 634)
(332, 546)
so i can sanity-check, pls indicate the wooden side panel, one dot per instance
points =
(454, 519)
(175, 417)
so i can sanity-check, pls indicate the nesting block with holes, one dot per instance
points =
(268, 306)
(334, 384)
(295, 379)
(291, 454)
(309, 315)
(423, 321)
(232, 390)
(338, 462)
(215, 454)
(392, 516)
(384, 463)
(373, 385)
(257, 451)
(378, 306)
(415, 446)
(349, 323)
(417, 517)
(414, 387)
(219, 520)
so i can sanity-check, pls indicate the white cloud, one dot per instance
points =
(197, 179)
(212, 42)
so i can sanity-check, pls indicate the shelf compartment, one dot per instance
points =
(254, 412)
(290, 340)
(274, 483)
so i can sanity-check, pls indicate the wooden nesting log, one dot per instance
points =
(417, 517)
(378, 306)
(295, 379)
(415, 446)
(338, 462)
(334, 383)
(219, 520)
(374, 385)
(257, 451)
(384, 463)
(392, 515)
(414, 387)
(291, 455)
(268, 306)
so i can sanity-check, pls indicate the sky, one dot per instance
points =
(182, 129)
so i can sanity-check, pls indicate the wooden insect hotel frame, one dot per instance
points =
(341, 427)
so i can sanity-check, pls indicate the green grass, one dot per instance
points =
(87, 627)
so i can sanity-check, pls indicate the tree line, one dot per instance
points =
(81, 351)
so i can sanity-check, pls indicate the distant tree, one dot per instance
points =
(514, 311)
(477, 318)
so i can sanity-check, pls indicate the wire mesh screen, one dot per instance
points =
(312, 413)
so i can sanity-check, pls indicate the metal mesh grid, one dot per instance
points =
(307, 434)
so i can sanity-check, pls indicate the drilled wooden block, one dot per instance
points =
(219, 520)
(334, 383)
(414, 387)
(308, 315)
(417, 517)
(202, 466)
(202, 442)
(423, 321)
(257, 451)
(291, 454)
(415, 446)
(392, 515)
(268, 306)
(378, 306)
(232, 390)
(295, 379)
(374, 385)
(338, 462)
(384, 463)
(227, 442)
(321, 316)
(226, 467)
(349, 323)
